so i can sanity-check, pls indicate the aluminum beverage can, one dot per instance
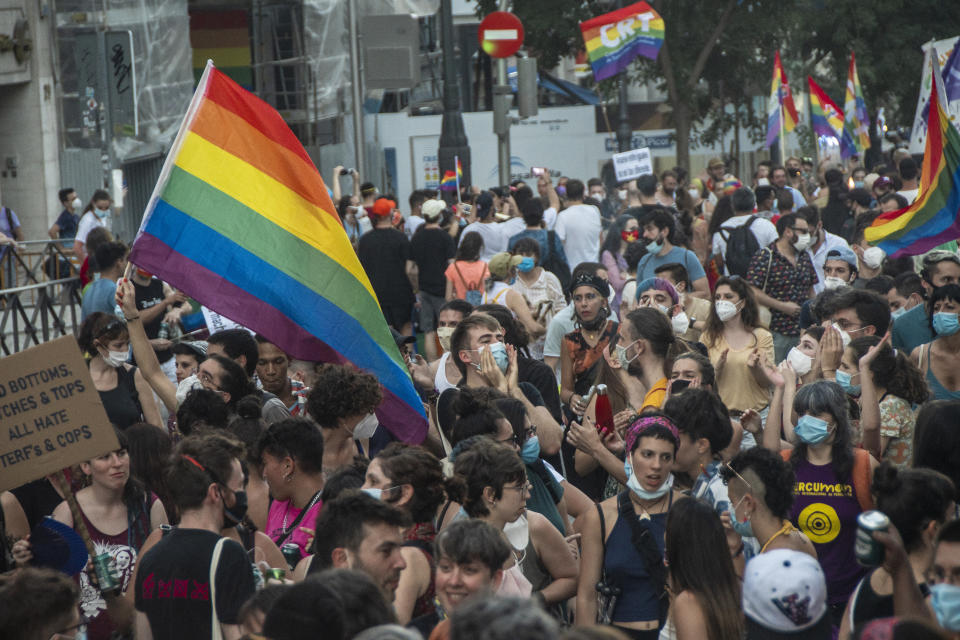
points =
(291, 553)
(870, 552)
(105, 568)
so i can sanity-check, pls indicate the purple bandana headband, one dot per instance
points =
(644, 423)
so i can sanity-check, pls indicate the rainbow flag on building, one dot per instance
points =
(781, 111)
(614, 39)
(855, 119)
(827, 119)
(932, 218)
(241, 221)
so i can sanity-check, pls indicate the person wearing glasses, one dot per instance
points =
(125, 394)
(39, 604)
(912, 329)
(760, 493)
(490, 481)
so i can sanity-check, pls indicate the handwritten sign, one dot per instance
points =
(50, 413)
(632, 164)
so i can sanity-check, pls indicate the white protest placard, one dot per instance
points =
(216, 322)
(50, 413)
(918, 135)
(632, 164)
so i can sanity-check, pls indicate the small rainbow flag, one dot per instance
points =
(614, 39)
(855, 118)
(780, 107)
(449, 182)
(241, 221)
(932, 218)
(827, 119)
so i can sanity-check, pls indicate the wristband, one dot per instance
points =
(136, 317)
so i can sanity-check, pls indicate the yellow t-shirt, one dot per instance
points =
(736, 385)
(654, 397)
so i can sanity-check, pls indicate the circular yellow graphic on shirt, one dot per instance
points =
(820, 522)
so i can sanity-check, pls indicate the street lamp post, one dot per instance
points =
(453, 135)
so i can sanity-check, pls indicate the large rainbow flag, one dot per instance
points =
(781, 111)
(241, 221)
(827, 119)
(932, 218)
(855, 119)
(614, 39)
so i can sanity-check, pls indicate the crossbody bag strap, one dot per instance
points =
(769, 264)
(215, 632)
(286, 533)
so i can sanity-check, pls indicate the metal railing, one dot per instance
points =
(39, 294)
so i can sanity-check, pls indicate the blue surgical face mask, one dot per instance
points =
(946, 604)
(378, 493)
(634, 484)
(101, 213)
(499, 352)
(654, 247)
(531, 450)
(899, 312)
(526, 265)
(843, 379)
(812, 430)
(945, 323)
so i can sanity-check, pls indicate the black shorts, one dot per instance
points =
(398, 315)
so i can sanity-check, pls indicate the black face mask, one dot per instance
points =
(232, 516)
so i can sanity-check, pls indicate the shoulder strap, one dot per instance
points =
(502, 291)
(861, 479)
(298, 519)
(766, 279)
(462, 279)
(215, 632)
(603, 527)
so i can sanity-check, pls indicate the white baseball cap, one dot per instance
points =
(785, 595)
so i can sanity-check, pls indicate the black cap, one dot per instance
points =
(401, 339)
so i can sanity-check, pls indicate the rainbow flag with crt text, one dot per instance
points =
(614, 39)
(241, 221)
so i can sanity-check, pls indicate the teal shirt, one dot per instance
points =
(912, 329)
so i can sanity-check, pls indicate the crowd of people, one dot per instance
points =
(680, 407)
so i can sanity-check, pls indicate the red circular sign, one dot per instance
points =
(500, 34)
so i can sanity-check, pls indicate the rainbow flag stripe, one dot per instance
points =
(827, 119)
(932, 218)
(241, 221)
(449, 182)
(614, 39)
(780, 105)
(855, 118)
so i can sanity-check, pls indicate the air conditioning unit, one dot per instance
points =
(16, 46)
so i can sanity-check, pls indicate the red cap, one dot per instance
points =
(383, 207)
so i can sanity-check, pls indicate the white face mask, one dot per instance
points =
(680, 323)
(443, 335)
(725, 309)
(622, 194)
(803, 242)
(833, 282)
(77, 203)
(189, 384)
(873, 257)
(115, 358)
(694, 193)
(801, 362)
(366, 427)
(844, 336)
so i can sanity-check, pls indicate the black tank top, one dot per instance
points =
(123, 402)
(869, 605)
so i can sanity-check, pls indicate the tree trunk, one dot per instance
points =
(681, 121)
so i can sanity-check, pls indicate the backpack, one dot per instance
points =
(860, 476)
(741, 245)
(552, 262)
(474, 289)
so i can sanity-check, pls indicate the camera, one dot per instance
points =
(346, 172)
(793, 172)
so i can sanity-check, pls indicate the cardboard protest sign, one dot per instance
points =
(50, 413)
(632, 164)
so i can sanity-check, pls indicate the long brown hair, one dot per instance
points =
(749, 314)
(696, 549)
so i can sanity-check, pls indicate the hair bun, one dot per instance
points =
(248, 408)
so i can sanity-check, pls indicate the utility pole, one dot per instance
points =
(356, 86)
(624, 130)
(453, 135)
(502, 98)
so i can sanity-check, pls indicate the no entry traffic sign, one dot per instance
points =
(500, 34)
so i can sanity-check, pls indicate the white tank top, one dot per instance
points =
(497, 294)
(440, 379)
